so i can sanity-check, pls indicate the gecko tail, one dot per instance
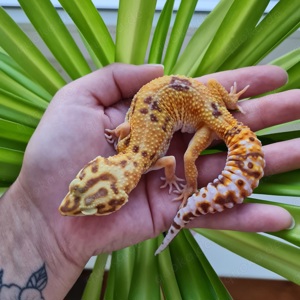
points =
(243, 170)
(172, 232)
(177, 225)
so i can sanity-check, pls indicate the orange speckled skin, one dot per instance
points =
(160, 108)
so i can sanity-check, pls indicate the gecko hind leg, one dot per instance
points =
(230, 99)
(200, 141)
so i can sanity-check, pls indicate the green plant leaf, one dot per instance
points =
(236, 28)
(219, 288)
(160, 33)
(10, 164)
(28, 56)
(285, 131)
(145, 283)
(293, 82)
(14, 135)
(44, 17)
(281, 184)
(167, 276)
(288, 60)
(123, 261)
(190, 274)
(193, 53)
(12, 86)
(178, 33)
(92, 27)
(133, 30)
(19, 110)
(278, 24)
(12, 70)
(93, 287)
(93, 56)
(269, 253)
(110, 285)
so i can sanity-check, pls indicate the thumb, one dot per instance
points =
(112, 83)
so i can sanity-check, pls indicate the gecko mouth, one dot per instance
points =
(89, 212)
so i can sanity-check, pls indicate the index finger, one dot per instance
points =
(261, 79)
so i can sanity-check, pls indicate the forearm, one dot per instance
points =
(31, 261)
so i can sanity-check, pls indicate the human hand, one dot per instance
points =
(71, 134)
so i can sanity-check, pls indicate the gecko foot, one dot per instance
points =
(184, 193)
(235, 96)
(111, 137)
(173, 181)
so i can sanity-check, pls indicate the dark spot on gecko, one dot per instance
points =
(240, 182)
(123, 163)
(176, 226)
(220, 200)
(251, 138)
(221, 179)
(155, 106)
(187, 217)
(82, 175)
(144, 153)
(233, 131)
(172, 231)
(216, 113)
(94, 168)
(126, 142)
(229, 198)
(116, 202)
(102, 192)
(107, 176)
(135, 149)
(148, 100)
(135, 164)
(180, 84)
(178, 215)
(100, 207)
(93, 181)
(215, 183)
(144, 111)
(66, 208)
(204, 195)
(114, 188)
(256, 174)
(153, 118)
(250, 165)
(204, 206)
(164, 128)
(152, 156)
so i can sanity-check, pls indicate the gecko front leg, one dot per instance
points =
(169, 164)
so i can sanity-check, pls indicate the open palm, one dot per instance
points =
(71, 134)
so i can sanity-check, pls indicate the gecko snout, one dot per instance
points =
(95, 191)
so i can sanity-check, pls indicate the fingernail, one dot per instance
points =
(293, 224)
(155, 65)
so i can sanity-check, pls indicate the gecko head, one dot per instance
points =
(98, 189)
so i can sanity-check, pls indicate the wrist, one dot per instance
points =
(29, 249)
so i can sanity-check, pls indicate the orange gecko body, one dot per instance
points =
(160, 108)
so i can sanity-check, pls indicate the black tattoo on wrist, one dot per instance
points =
(32, 290)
